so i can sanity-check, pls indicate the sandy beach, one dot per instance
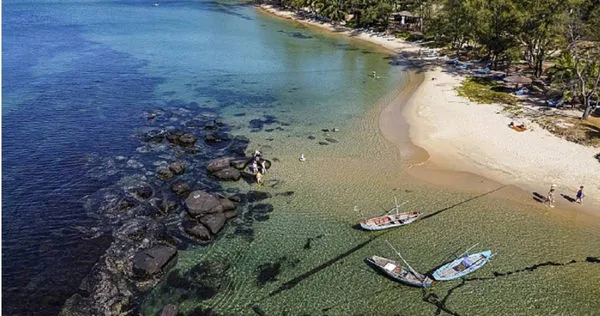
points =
(465, 136)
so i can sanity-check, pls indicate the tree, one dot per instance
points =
(541, 30)
(498, 22)
(334, 10)
(585, 53)
(456, 23)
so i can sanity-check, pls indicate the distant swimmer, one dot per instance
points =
(302, 158)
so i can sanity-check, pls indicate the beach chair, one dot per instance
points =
(555, 103)
(483, 71)
(522, 91)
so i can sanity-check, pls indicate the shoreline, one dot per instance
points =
(472, 141)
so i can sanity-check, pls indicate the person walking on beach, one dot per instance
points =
(550, 198)
(579, 196)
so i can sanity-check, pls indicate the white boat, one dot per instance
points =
(390, 220)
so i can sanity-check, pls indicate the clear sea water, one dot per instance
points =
(79, 78)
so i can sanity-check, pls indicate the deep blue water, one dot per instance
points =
(78, 78)
(51, 124)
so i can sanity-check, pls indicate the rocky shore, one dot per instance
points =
(165, 197)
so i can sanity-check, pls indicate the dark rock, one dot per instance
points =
(196, 230)
(170, 310)
(237, 198)
(165, 174)
(177, 167)
(227, 204)
(199, 203)
(142, 191)
(219, 164)
(230, 214)
(215, 138)
(180, 189)
(154, 135)
(214, 222)
(325, 130)
(261, 208)
(173, 136)
(254, 196)
(268, 272)
(311, 137)
(210, 125)
(331, 140)
(150, 262)
(126, 203)
(323, 143)
(241, 163)
(229, 174)
(256, 125)
(168, 205)
(187, 140)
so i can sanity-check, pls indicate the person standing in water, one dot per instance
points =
(579, 196)
(550, 197)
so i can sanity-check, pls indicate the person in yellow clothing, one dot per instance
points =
(259, 177)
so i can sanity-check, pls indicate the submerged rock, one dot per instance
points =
(219, 164)
(180, 189)
(177, 167)
(170, 310)
(196, 230)
(228, 174)
(164, 174)
(214, 222)
(150, 262)
(200, 203)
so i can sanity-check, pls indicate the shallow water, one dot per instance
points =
(79, 79)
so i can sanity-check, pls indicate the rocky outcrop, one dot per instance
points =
(214, 222)
(164, 174)
(196, 230)
(150, 262)
(219, 164)
(228, 174)
(207, 214)
(180, 189)
(177, 167)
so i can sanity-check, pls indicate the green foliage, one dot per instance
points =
(481, 90)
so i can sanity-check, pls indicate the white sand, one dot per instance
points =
(466, 136)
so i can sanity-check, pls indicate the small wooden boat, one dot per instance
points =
(462, 266)
(390, 220)
(396, 272)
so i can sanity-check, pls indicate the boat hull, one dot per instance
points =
(399, 273)
(455, 269)
(390, 221)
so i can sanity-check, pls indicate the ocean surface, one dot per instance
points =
(81, 82)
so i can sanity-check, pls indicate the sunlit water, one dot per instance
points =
(77, 80)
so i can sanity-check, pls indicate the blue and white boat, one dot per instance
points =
(462, 266)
